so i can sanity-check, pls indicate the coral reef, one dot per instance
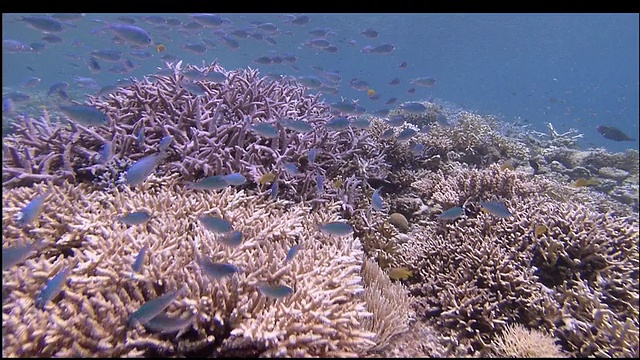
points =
(520, 342)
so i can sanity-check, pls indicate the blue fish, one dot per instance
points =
(265, 130)
(215, 224)
(451, 214)
(320, 184)
(406, 134)
(388, 134)
(130, 33)
(361, 123)
(376, 200)
(231, 239)
(291, 168)
(336, 228)
(296, 125)
(140, 137)
(141, 169)
(413, 107)
(139, 261)
(396, 120)
(274, 190)
(85, 114)
(32, 210)
(234, 179)
(14, 255)
(495, 208)
(53, 286)
(338, 123)
(276, 291)
(135, 218)
(292, 252)
(153, 307)
(163, 323)
(106, 152)
(313, 153)
(217, 270)
(165, 142)
(209, 183)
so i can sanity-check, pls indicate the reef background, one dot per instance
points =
(479, 285)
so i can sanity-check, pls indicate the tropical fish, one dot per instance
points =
(400, 273)
(130, 33)
(396, 120)
(163, 323)
(313, 153)
(338, 123)
(360, 123)
(320, 183)
(217, 270)
(495, 208)
(296, 125)
(312, 82)
(425, 82)
(215, 76)
(215, 182)
(85, 114)
(582, 182)
(403, 65)
(141, 169)
(231, 239)
(376, 200)
(540, 230)
(336, 228)
(53, 286)
(215, 224)
(291, 168)
(236, 179)
(292, 252)
(266, 178)
(32, 210)
(207, 20)
(153, 307)
(612, 133)
(135, 218)
(406, 134)
(165, 142)
(387, 134)
(274, 190)
(369, 33)
(451, 214)
(139, 261)
(43, 23)
(413, 107)
(265, 130)
(276, 291)
(16, 254)
(343, 107)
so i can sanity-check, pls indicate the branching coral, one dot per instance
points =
(324, 316)
(520, 342)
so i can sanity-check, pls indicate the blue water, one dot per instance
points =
(573, 70)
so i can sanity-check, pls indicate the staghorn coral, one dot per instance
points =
(520, 342)
(211, 134)
(323, 317)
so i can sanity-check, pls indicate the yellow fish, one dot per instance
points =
(337, 183)
(400, 273)
(507, 165)
(541, 230)
(266, 178)
(582, 182)
(371, 92)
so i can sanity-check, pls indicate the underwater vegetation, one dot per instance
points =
(246, 219)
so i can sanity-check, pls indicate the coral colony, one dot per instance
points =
(207, 212)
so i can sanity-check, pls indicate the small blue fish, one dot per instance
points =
(32, 210)
(264, 129)
(132, 34)
(296, 125)
(135, 218)
(388, 134)
(274, 190)
(451, 214)
(320, 184)
(231, 239)
(376, 200)
(14, 255)
(217, 270)
(153, 307)
(291, 168)
(164, 324)
(336, 228)
(85, 114)
(53, 286)
(216, 77)
(406, 134)
(209, 183)
(413, 107)
(106, 152)
(276, 291)
(495, 208)
(234, 179)
(292, 252)
(361, 123)
(215, 224)
(397, 120)
(165, 142)
(141, 169)
(313, 153)
(417, 149)
(139, 261)
(140, 137)
(338, 123)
